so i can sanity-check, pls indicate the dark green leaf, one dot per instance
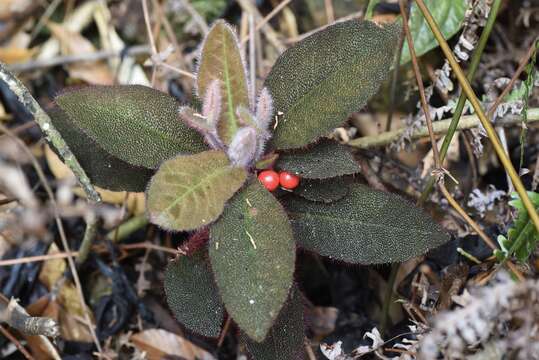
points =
(220, 59)
(136, 124)
(190, 191)
(192, 295)
(325, 191)
(286, 338)
(103, 169)
(366, 227)
(318, 82)
(252, 254)
(449, 15)
(326, 159)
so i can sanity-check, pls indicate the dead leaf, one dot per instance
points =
(158, 343)
(135, 202)
(71, 42)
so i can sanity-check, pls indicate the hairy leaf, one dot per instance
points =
(366, 227)
(135, 123)
(449, 15)
(192, 295)
(220, 59)
(252, 254)
(318, 82)
(286, 338)
(324, 160)
(103, 169)
(325, 191)
(190, 191)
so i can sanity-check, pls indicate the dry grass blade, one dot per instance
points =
(434, 144)
(491, 132)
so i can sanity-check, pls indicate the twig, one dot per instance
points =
(199, 20)
(224, 332)
(28, 98)
(15, 316)
(514, 78)
(17, 343)
(330, 13)
(419, 80)
(69, 59)
(439, 170)
(370, 9)
(268, 17)
(127, 228)
(271, 34)
(474, 64)
(504, 159)
(150, 38)
(439, 127)
(30, 259)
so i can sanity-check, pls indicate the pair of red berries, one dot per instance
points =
(271, 180)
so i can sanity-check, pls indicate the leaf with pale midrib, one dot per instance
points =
(252, 254)
(449, 15)
(190, 191)
(319, 81)
(221, 59)
(135, 123)
(366, 227)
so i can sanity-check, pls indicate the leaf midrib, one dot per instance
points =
(197, 186)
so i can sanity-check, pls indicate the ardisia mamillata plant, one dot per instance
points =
(199, 167)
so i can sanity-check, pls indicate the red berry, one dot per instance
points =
(288, 181)
(270, 179)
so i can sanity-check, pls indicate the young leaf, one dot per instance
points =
(286, 338)
(192, 295)
(324, 160)
(325, 191)
(190, 191)
(135, 123)
(365, 227)
(220, 59)
(522, 237)
(318, 82)
(449, 14)
(252, 253)
(103, 169)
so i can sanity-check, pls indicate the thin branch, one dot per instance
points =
(474, 64)
(491, 132)
(271, 34)
(17, 343)
(51, 134)
(439, 127)
(15, 316)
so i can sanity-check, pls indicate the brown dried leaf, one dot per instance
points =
(158, 344)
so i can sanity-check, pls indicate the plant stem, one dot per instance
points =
(474, 64)
(388, 297)
(127, 228)
(370, 9)
(491, 132)
(439, 127)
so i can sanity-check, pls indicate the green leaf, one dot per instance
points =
(134, 123)
(522, 238)
(103, 169)
(220, 59)
(252, 254)
(449, 15)
(318, 82)
(366, 227)
(192, 295)
(325, 191)
(286, 338)
(324, 160)
(190, 191)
